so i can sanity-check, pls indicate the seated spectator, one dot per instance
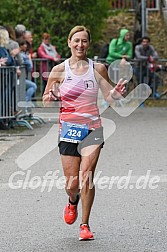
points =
(47, 51)
(120, 48)
(31, 86)
(144, 69)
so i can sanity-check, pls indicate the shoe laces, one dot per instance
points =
(84, 226)
(71, 207)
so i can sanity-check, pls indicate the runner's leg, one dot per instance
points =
(88, 165)
(71, 167)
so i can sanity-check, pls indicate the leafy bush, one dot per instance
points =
(56, 17)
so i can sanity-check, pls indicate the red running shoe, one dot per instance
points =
(70, 213)
(85, 233)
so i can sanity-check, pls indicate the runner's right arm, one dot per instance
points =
(56, 77)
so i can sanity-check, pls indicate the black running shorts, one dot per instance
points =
(95, 137)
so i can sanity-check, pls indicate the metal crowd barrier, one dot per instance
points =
(155, 76)
(12, 88)
(13, 98)
(38, 75)
(21, 89)
(8, 90)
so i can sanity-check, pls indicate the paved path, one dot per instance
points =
(129, 212)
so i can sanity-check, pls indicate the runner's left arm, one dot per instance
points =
(109, 92)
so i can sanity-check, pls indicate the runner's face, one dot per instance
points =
(79, 44)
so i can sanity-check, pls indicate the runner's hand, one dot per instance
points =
(119, 89)
(52, 96)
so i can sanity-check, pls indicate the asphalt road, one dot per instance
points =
(129, 211)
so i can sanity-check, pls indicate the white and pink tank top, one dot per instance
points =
(79, 98)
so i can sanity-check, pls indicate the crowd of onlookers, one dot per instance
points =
(144, 57)
(16, 49)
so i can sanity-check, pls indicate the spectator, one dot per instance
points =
(20, 31)
(13, 46)
(29, 41)
(145, 68)
(47, 51)
(5, 59)
(31, 86)
(120, 48)
(4, 53)
(14, 49)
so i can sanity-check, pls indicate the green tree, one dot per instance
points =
(56, 17)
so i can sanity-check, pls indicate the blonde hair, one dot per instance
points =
(4, 37)
(79, 28)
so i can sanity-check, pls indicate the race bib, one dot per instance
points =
(72, 132)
